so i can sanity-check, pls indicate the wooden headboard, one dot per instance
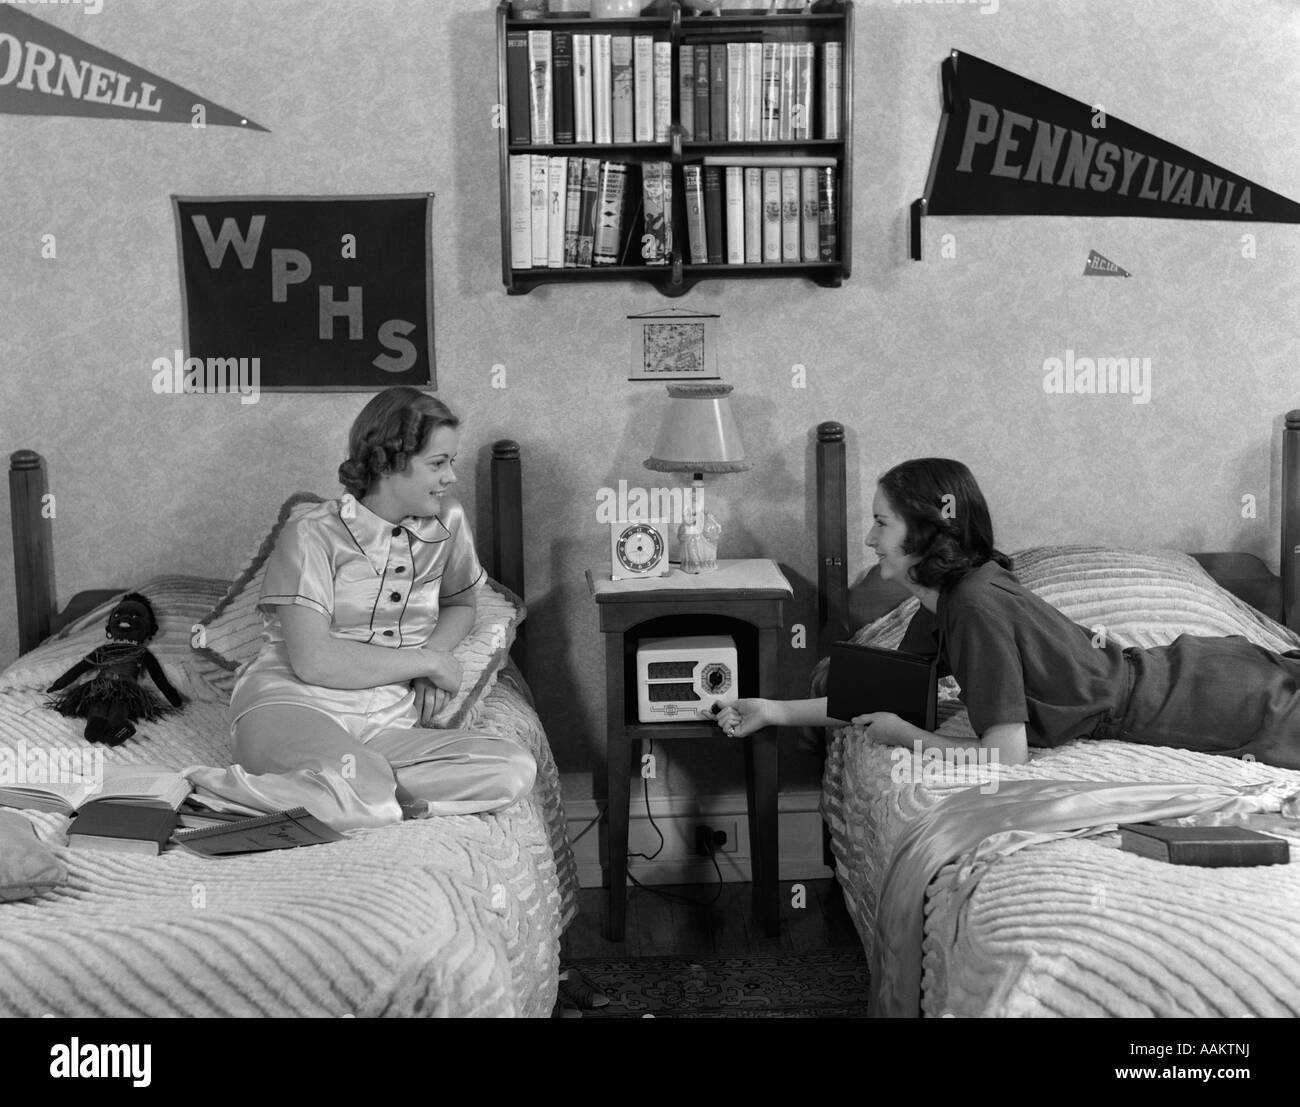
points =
(38, 613)
(1242, 574)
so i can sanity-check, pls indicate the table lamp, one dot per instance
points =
(698, 435)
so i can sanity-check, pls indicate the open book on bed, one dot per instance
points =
(138, 785)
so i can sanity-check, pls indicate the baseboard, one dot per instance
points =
(799, 829)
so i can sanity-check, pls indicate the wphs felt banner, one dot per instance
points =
(46, 71)
(1008, 146)
(315, 292)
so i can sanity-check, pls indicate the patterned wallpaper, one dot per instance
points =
(945, 356)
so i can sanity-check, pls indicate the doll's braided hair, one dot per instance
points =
(396, 424)
(947, 517)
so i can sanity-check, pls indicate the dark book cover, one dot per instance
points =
(829, 213)
(517, 78)
(562, 85)
(587, 211)
(108, 824)
(702, 97)
(1208, 846)
(607, 247)
(696, 235)
(865, 679)
(718, 91)
(715, 218)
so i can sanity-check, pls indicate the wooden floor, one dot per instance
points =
(658, 926)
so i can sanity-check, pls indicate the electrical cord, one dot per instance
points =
(671, 897)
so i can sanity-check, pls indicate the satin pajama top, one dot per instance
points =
(377, 582)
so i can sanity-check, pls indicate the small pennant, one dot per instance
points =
(1098, 266)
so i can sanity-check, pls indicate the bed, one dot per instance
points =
(449, 916)
(1066, 924)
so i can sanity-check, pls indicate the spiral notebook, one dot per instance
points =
(280, 830)
(865, 679)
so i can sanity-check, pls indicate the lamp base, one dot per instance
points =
(698, 543)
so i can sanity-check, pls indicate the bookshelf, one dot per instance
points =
(822, 254)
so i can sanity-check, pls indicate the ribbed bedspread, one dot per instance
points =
(451, 916)
(1076, 927)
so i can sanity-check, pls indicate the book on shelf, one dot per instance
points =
(832, 88)
(771, 215)
(801, 108)
(609, 213)
(771, 90)
(1208, 846)
(753, 215)
(703, 96)
(663, 84)
(539, 203)
(517, 83)
(121, 827)
(602, 87)
(686, 90)
(643, 87)
(718, 91)
(539, 88)
(736, 89)
(582, 124)
(714, 215)
(623, 110)
(657, 205)
(811, 209)
(557, 211)
(562, 86)
(572, 211)
(767, 161)
(790, 215)
(521, 215)
(828, 213)
(753, 91)
(281, 830)
(135, 785)
(694, 203)
(587, 211)
(785, 109)
(734, 183)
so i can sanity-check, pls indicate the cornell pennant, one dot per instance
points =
(37, 68)
(1030, 149)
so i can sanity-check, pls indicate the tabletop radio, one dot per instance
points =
(676, 677)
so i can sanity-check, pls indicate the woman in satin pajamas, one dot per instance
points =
(1030, 676)
(363, 601)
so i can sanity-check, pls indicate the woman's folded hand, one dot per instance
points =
(444, 670)
(429, 700)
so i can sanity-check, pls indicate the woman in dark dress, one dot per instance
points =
(1029, 676)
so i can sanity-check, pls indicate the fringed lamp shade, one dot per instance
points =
(698, 433)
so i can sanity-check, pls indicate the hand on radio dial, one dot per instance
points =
(743, 717)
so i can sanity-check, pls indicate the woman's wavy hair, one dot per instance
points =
(396, 424)
(947, 519)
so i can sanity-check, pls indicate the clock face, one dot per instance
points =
(638, 549)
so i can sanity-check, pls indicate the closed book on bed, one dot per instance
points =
(281, 830)
(866, 679)
(1209, 846)
(121, 827)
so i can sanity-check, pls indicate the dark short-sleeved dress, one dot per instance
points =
(1018, 659)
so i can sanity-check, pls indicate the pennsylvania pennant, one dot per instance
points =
(1008, 146)
(46, 71)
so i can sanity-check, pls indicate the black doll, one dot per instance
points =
(111, 699)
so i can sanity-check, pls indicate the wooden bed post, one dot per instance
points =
(832, 537)
(508, 527)
(1290, 518)
(33, 548)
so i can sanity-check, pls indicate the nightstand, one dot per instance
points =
(744, 599)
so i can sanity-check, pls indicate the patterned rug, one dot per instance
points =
(822, 985)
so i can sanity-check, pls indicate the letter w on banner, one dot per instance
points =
(1008, 146)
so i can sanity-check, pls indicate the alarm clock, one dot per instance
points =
(638, 548)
